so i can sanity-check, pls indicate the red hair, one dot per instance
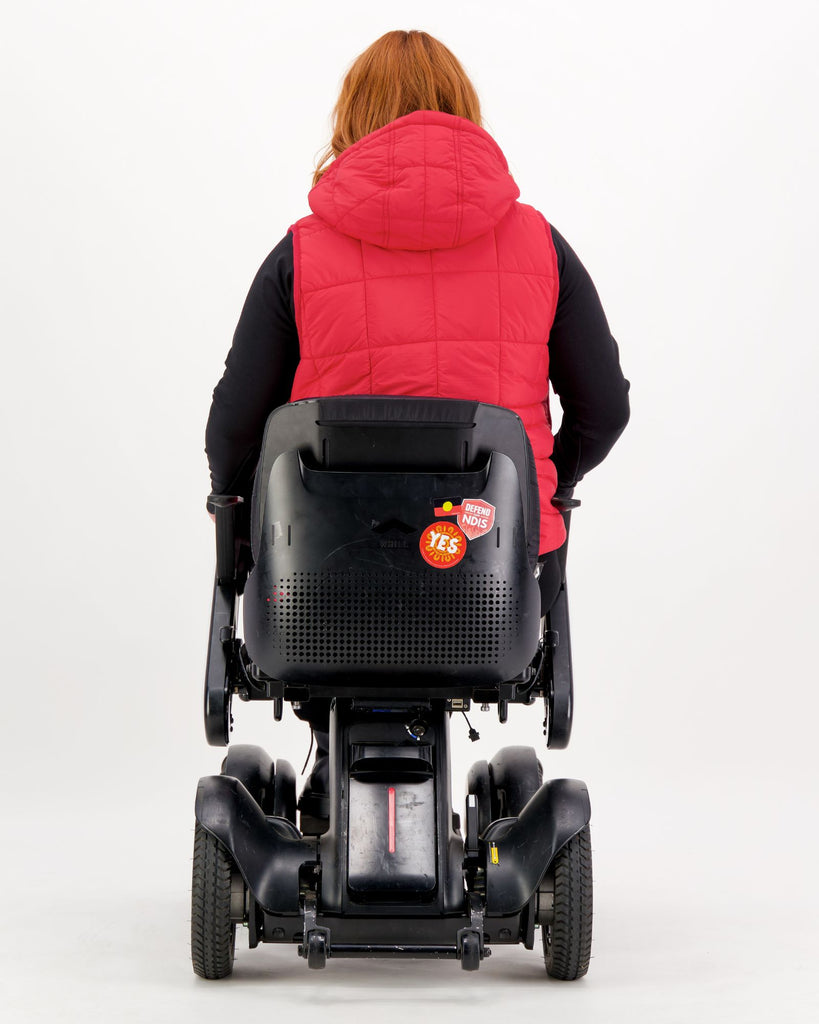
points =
(401, 72)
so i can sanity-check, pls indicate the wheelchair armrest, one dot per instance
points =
(224, 508)
(565, 504)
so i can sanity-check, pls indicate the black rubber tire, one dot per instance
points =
(284, 791)
(479, 785)
(516, 776)
(213, 934)
(470, 952)
(316, 950)
(567, 939)
(253, 767)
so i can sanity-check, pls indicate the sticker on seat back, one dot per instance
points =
(475, 517)
(442, 545)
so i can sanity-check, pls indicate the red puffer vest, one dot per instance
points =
(419, 274)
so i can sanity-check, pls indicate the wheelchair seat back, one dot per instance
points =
(394, 543)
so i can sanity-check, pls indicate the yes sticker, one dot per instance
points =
(442, 545)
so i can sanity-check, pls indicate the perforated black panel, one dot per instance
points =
(392, 619)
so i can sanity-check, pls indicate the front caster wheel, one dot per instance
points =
(316, 950)
(470, 951)
(213, 927)
(565, 913)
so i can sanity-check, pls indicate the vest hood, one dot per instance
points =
(425, 181)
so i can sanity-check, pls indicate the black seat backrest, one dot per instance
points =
(347, 496)
(405, 433)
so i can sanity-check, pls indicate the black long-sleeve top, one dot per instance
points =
(584, 370)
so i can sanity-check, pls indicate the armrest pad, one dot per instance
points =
(565, 504)
(217, 501)
(223, 507)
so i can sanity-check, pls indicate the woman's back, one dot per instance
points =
(419, 274)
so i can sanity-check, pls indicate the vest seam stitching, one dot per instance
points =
(387, 191)
(456, 142)
(366, 313)
(424, 202)
(500, 304)
(340, 220)
(430, 341)
(435, 327)
(422, 273)
(298, 307)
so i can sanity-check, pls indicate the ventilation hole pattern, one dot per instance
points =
(368, 618)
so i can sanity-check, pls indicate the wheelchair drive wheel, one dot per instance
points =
(565, 910)
(216, 890)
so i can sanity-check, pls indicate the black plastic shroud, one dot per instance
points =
(341, 592)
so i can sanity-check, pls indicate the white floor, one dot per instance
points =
(94, 960)
(96, 929)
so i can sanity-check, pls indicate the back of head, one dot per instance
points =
(399, 73)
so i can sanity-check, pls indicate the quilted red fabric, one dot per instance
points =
(419, 273)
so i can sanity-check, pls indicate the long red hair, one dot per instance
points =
(401, 72)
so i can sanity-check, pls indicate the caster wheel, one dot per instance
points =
(567, 927)
(316, 950)
(213, 927)
(470, 951)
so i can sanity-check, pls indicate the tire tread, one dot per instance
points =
(213, 934)
(567, 941)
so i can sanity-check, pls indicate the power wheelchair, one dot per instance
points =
(394, 571)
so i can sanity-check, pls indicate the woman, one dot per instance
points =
(419, 273)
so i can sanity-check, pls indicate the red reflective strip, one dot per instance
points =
(391, 795)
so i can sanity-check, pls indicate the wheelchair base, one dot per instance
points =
(394, 875)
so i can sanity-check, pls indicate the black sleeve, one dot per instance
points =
(584, 369)
(258, 376)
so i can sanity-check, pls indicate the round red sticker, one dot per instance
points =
(442, 545)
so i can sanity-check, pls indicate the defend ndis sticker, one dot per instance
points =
(475, 518)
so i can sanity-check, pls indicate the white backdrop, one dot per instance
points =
(153, 153)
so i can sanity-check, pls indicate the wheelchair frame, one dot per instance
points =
(397, 872)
